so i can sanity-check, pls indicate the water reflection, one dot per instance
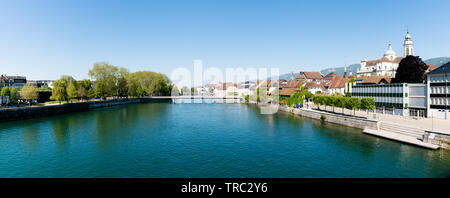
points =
(30, 136)
(61, 128)
(114, 124)
(345, 137)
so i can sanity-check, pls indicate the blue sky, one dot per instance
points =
(45, 39)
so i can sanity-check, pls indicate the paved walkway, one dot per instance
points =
(400, 138)
(429, 124)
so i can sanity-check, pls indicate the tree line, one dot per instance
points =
(111, 81)
(17, 95)
(345, 102)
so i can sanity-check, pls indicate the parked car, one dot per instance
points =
(298, 105)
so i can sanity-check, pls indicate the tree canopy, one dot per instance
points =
(29, 93)
(5, 91)
(411, 69)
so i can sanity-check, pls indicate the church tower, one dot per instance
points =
(408, 45)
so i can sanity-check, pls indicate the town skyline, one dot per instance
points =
(68, 37)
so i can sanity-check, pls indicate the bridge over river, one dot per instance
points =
(195, 97)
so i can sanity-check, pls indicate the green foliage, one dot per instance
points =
(247, 98)
(5, 91)
(296, 98)
(101, 89)
(341, 102)
(308, 94)
(91, 93)
(345, 102)
(353, 103)
(148, 83)
(81, 92)
(411, 69)
(45, 88)
(59, 92)
(109, 78)
(72, 90)
(323, 117)
(367, 104)
(85, 90)
(29, 93)
(14, 95)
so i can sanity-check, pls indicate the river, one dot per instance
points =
(163, 139)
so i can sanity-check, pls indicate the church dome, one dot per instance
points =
(390, 52)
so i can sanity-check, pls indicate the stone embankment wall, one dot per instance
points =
(346, 120)
(44, 111)
(440, 139)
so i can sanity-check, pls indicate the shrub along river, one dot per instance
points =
(203, 140)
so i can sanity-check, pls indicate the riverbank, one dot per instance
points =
(391, 131)
(22, 113)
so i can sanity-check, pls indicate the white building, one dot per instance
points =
(438, 82)
(405, 99)
(388, 64)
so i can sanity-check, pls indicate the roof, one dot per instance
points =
(431, 67)
(288, 91)
(294, 83)
(330, 76)
(224, 86)
(310, 75)
(384, 59)
(312, 84)
(339, 82)
(374, 79)
(442, 69)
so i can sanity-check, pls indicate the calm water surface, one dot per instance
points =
(203, 140)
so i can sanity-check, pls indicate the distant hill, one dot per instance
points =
(438, 61)
(340, 70)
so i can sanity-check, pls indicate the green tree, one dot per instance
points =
(72, 91)
(59, 92)
(82, 93)
(14, 95)
(91, 93)
(5, 91)
(308, 94)
(332, 101)
(318, 100)
(85, 90)
(411, 69)
(353, 104)
(100, 90)
(107, 77)
(367, 104)
(341, 103)
(122, 90)
(29, 93)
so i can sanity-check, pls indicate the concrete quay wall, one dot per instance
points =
(440, 139)
(22, 113)
(345, 120)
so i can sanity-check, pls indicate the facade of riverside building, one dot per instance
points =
(405, 99)
(438, 82)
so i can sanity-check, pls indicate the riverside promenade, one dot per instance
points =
(387, 126)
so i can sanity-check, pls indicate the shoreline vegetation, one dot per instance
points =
(108, 82)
